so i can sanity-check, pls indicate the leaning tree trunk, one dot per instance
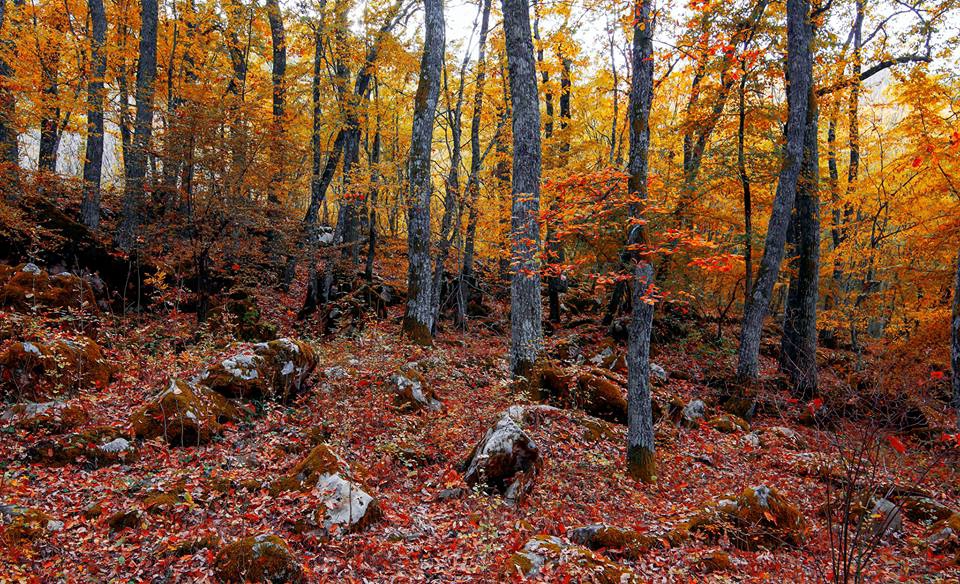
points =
(417, 320)
(93, 160)
(143, 125)
(798, 354)
(800, 79)
(956, 344)
(526, 312)
(9, 150)
(641, 463)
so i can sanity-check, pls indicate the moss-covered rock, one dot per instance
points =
(184, 414)
(782, 437)
(94, 447)
(25, 525)
(262, 558)
(548, 553)
(760, 517)
(411, 393)
(505, 461)
(27, 286)
(715, 561)
(126, 519)
(345, 504)
(274, 370)
(41, 371)
(53, 416)
(728, 424)
(241, 314)
(629, 542)
(188, 547)
(945, 535)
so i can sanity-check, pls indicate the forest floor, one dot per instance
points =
(406, 460)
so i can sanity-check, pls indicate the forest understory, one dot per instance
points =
(166, 510)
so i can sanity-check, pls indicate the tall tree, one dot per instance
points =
(956, 343)
(555, 285)
(641, 463)
(473, 184)
(417, 322)
(798, 354)
(93, 159)
(136, 162)
(9, 150)
(526, 312)
(278, 74)
(799, 80)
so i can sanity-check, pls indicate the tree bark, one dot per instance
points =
(745, 186)
(278, 74)
(473, 185)
(526, 312)
(50, 122)
(799, 81)
(555, 285)
(143, 126)
(798, 354)
(641, 463)
(9, 149)
(956, 344)
(417, 322)
(93, 159)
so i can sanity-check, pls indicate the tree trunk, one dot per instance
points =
(526, 312)
(451, 193)
(798, 354)
(554, 246)
(143, 127)
(278, 42)
(93, 159)
(956, 344)
(641, 463)
(417, 322)
(50, 122)
(745, 186)
(374, 195)
(799, 76)
(473, 186)
(9, 149)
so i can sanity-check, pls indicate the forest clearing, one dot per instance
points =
(474, 291)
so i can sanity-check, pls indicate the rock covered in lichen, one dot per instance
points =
(261, 558)
(506, 460)
(345, 503)
(274, 370)
(411, 393)
(547, 553)
(38, 371)
(760, 517)
(96, 447)
(184, 414)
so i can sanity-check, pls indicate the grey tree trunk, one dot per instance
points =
(93, 159)
(136, 164)
(798, 355)
(9, 150)
(473, 186)
(526, 311)
(50, 122)
(555, 285)
(451, 193)
(956, 344)
(640, 437)
(279, 71)
(417, 322)
(799, 80)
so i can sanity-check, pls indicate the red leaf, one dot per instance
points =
(896, 444)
